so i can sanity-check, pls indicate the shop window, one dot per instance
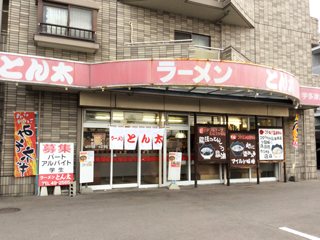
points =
(214, 120)
(197, 39)
(177, 120)
(236, 123)
(140, 118)
(97, 116)
(269, 122)
(67, 20)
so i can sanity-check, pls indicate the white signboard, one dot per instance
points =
(127, 138)
(56, 164)
(116, 138)
(158, 135)
(86, 159)
(271, 145)
(145, 138)
(174, 170)
(131, 138)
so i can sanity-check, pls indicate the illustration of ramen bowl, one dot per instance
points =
(237, 148)
(206, 151)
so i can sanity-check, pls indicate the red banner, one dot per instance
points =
(59, 179)
(25, 144)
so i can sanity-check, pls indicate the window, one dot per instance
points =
(67, 21)
(197, 39)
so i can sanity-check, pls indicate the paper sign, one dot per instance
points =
(86, 159)
(174, 170)
(145, 138)
(158, 135)
(271, 144)
(116, 138)
(56, 164)
(131, 138)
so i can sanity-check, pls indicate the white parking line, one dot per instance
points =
(301, 234)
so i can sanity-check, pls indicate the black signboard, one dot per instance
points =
(211, 143)
(243, 150)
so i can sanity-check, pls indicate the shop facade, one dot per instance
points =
(84, 90)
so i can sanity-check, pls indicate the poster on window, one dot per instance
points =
(56, 164)
(25, 149)
(86, 159)
(243, 150)
(174, 168)
(212, 143)
(271, 144)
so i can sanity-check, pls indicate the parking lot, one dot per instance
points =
(242, 211)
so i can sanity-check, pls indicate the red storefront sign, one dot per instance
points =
(38, 70)
(25, 139)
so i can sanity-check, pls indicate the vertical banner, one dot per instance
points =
(271, 144)
(86, 159)
(116, 138)
(56, 164)
(25, 144)
(174, 168)
(212, 143)
(295, 132)
(130, 138)
(145, 138)
(243, 150)
(158, 135)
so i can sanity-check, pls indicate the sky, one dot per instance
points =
(315, 10)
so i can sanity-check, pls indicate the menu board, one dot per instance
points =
(271, 144)
(212, 143)
(86, 159)
(243, 150)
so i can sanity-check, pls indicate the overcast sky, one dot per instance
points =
(315, 10)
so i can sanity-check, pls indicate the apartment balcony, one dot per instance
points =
(231, 12)
(178, 49)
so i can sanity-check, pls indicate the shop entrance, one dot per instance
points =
(121, 168)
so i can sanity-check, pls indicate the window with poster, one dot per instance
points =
(206, 171)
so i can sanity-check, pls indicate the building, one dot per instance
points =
(316, 78)
(90, 67)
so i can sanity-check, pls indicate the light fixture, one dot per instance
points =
(180, 135)
(297, 106)
(102, 89)
(66, 89)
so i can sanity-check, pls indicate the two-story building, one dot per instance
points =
(88, 68)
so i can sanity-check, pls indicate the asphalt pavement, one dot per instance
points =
(241, 211)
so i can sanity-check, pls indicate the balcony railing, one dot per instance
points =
(68, 32)
(183, 49)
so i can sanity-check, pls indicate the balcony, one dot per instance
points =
(231, 12)
(179, 49)
(56, 36)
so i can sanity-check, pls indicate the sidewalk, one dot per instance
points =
(246, 211)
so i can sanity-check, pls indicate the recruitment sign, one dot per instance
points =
(56, 164)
